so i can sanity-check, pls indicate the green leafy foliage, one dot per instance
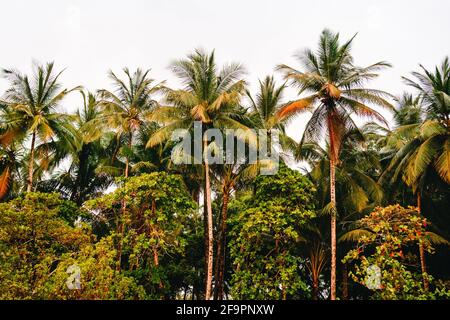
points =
(38, 244)
(392, 243)
(154, 209)
(266, 234)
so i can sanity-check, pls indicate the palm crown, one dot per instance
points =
(32, 108)
(335, 88)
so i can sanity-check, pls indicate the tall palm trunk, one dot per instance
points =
(333, 229)
(221, 248)
(423, 264)
(345, 282)
(127, 160)
(81, 175)
(205, 238)
(121, 227)
(209, 253)
(31, 163)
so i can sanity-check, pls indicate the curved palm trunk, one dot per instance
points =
(221, 248)
(31, 163)
(333, 230)
(209, 253)
(423, 264)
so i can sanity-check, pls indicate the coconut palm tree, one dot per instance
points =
(124, 110)
(84, 177)
(209, 98)
(263, 111)
(31, 109)
(10, 165)
(425, 148)
(431, 146)
(334, 89)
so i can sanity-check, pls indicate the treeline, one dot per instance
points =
(93, 205)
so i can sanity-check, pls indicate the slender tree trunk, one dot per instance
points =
(121, 228)
(423, 264)
(31, 163)
(209, 270)
(156, 263)
(83, 157)
(221, 248)
(333, 229)
(155, 257)
(344, 282)
(155, 248)
(315, 288)
(283, 286)
(127, 161)
(205, 240)
(196, 196)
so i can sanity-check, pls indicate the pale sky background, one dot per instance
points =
(91, 37)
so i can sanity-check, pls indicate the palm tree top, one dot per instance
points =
(267, 101)
(408, 111)
(334, 89)
(434, 89)
(40, 92)
(200, 75)
(210, 96)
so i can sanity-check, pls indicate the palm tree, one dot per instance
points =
(32, 108)
(84, 177)
(208, 98)
(335, 90)
(263, 111)
(357, 190)
(356, 175)
(9, 165)
(409, 110)
(425, 149)
(315, 264)
(431, 147)
(125, 110)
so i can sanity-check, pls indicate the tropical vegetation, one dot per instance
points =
(96, 204)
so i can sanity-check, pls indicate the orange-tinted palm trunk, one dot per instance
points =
(31, 163)
(209, 260)
(333, 230)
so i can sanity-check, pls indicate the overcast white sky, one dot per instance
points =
(91, 37)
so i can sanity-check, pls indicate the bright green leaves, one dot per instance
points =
(267, 235)
(155, 215)
(38, 244)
